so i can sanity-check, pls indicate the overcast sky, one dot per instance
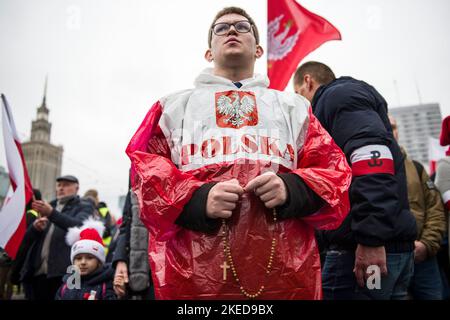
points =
(108, 61)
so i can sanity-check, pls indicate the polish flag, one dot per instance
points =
(12, 214)
(292, 33)
(372, 159)
(435, 153)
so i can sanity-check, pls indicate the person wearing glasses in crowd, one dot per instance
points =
(232, 178)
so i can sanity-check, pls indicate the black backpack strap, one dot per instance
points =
(419, 168)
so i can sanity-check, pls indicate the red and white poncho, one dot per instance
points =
(217, 132)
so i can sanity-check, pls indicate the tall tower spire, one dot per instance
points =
(43, 159)
(43, 108)
(40, 128)
(45, 91)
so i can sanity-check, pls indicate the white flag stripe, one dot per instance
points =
(12, 212)
(446, 196)
(9, 122)
(435, 150)
(365, 153)
(10, 119)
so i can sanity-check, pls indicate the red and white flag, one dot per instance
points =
(292, 33)
(12, 214)
(435, 153)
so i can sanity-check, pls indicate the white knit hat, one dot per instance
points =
(87, 239)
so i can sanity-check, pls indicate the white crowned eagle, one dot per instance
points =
(236, 111)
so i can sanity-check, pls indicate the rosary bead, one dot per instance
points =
(227, 253)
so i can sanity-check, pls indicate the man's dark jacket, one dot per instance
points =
(355, 115)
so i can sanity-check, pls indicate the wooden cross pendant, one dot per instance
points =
(225, 267)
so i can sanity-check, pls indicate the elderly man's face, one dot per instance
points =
(234, 45)
(66, 188)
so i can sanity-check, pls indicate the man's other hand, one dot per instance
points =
(420, 252)
(270, 188)
(223, 198)
(42, 207)
(368, 256)
(40, 224)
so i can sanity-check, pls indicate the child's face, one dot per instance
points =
(87, 263)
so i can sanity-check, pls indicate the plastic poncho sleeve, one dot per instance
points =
(162, 189)
(323, 167)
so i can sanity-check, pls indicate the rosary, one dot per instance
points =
(227, 253)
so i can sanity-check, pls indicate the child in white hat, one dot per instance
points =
(92, 279)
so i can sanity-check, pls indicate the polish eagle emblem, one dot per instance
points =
(280, 44)
(235, 110)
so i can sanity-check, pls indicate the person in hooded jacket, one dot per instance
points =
(232, 177)
(92, 278)
(371, 255)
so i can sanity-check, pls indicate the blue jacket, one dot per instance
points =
(99, 281)
(355, 115)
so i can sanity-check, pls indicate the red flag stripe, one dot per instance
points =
(28, 186)
(366, 167)
(16, 239)
(432, 166)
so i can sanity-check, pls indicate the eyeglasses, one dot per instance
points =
(222, 28)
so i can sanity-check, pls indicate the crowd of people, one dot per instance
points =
(73, 246)
(239, 191)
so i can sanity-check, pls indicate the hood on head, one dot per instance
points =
(207, 78)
